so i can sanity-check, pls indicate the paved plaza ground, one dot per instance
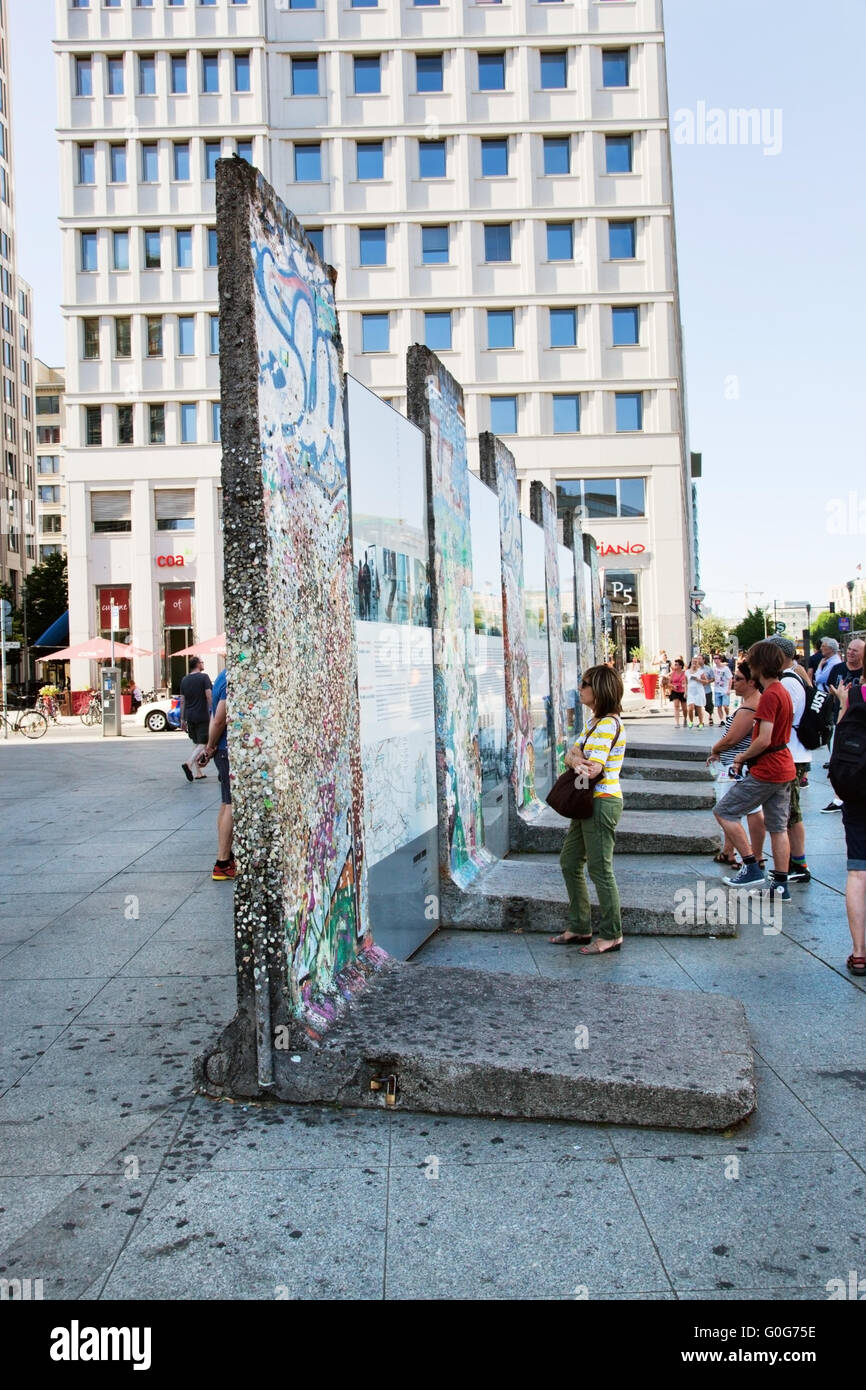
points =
(118, 1182)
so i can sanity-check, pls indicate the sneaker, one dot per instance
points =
(831, 806)
(750, 876)
(799, 874)
(780, 892)
(222, 872)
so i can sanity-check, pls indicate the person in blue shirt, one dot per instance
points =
(218, 749)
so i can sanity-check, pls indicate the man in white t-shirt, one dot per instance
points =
(722, 679)
(798, 871)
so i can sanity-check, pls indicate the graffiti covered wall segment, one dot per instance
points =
(543, 512)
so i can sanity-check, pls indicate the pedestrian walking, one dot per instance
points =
(663, 664)
(736, 739)
(800, 691)
(696, 692)
(708, 691)
(843, 675)
(848, 773)
(195, 711)
(722, 682)
(768, 783)
(218, 749)
(678, 692)
(589, 844)
(136, 698)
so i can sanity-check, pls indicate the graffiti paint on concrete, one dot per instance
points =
(301, 910)
(597, 620)
(499, 471)
(543, 512)
(436, 406)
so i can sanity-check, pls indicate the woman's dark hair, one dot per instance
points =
(766, 659)
(607, 689)
(679, 662)
(745, 671)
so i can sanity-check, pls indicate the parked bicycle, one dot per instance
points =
(48, 705)
(92, 714)
(28, 722)
(149, 697)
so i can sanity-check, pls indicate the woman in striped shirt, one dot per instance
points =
(589, 843)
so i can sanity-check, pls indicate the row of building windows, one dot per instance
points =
(183, 163)
(173, 510)
(152, 246)
(504, 413)
(308, 166)
(187, 416)
(152, 336)
(598, 498)
(430, 70)
(146, 73)
(501, 330)
(174, 4)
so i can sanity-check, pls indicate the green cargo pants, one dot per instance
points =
(589, 843)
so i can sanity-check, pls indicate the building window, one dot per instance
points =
(83, 77)
(437, 330)
(374, 332)
(86, 164)
(497, 241)
(500, 328)
(618, 154)
(211, 246)
(431, 159)
(114, 71)
(434, 245)
(45, 434)
(601, 498)
(183, 238)
(181, 162)
(214, 331)
(429, 72)
(629, 412)
(370, 159)
(491, 72)
(152, 248)
(210, 72)
(174, 508)
(120, 250)
(123, 336)
(215, 422)
(494, 158)
(503, 414)
(308, 163)
(117, 164)
(146, 75)
(154, 335)
(245, 150)
(566, 415)
(614, 67)
(372, 244)
(302, 4)
(554, 70)
(621, 241)
(212, 152)
(150, 162)
(45, 463)
(188, 426)
(110, 511)
(625, 326)
(316, 238)
(179, 78)
(49, 493)
(156, 422)
(92, 425)
(242, 72)
(45, 405)
(51, 524)
(88, 244)
(560, 241)
(557, 154)
(563, 328)
(124, 424)
(186, 335)
(305, 77)
(368, 75)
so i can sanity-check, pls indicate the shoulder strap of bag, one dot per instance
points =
(805, 688)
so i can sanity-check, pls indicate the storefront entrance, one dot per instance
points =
(178, 628)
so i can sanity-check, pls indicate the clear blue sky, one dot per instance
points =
(771, 257)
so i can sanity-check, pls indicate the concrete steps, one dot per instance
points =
(668, 831)
(693, 749)
(665, 770)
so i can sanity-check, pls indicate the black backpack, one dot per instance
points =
(848, 759)
(816, 722)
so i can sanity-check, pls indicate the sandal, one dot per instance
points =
(856, 964)
(563, 940)
(597, 951)
(722, 858)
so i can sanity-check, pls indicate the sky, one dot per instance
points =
(771, 267)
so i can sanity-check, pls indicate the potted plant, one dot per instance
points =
(648, 679)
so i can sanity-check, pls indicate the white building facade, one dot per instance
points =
(491, 179)
(50, 387)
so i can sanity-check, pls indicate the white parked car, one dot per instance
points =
(159, 715)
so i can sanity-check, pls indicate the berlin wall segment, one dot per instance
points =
(542, 509)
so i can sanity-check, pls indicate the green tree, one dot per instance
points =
(753, 628)
(713, 633)
(47, 592)
(827, 624)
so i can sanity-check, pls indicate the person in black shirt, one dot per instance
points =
(195, 711)
(847, 673)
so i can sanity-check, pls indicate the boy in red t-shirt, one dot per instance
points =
(769, 779)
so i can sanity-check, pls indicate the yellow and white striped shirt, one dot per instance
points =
(603, 745)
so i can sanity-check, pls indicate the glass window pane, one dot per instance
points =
(371, 159)
(560, 241)
(365, 4)
(147, 75)
(566, 414)
(120, 250)
(184, 249)
(115, 77)
(494, 158)
(211, 246)
(497, 242)
(86, 164)
(186, 335)
(373, 246)
(618, 154)
(245, 150)
(316, 235)
(215, 423)
(188, 416)
(242, 72)
(214, 334)
(308, 163)
(179, 81)
(302, 4)
(152, 250)
(368, 76)
(431, 159)
(123, 337)
(554, 70)
(503, 414)
(629, 412)
(491, 72)
(632, 500)
(305, 77)
(500, 328)
(600, 496)
(83, 77)
(557, 154)
(374, 332)
(118, 164)
(154, 336)
(90, 339)
(212, 152)
(437, 331)
(124, 424)
(614, 67)
(563, 328)
(429, 72)
(625, 326)
(156, 415)
(622, 241)
(210, 79)
(434, 245)
(150, 163)
(181, 162)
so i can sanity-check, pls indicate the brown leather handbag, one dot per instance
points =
(572, 794)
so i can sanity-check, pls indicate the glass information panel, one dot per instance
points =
(489, 662)
(535, 607)
(565, 559)
(395, 670)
